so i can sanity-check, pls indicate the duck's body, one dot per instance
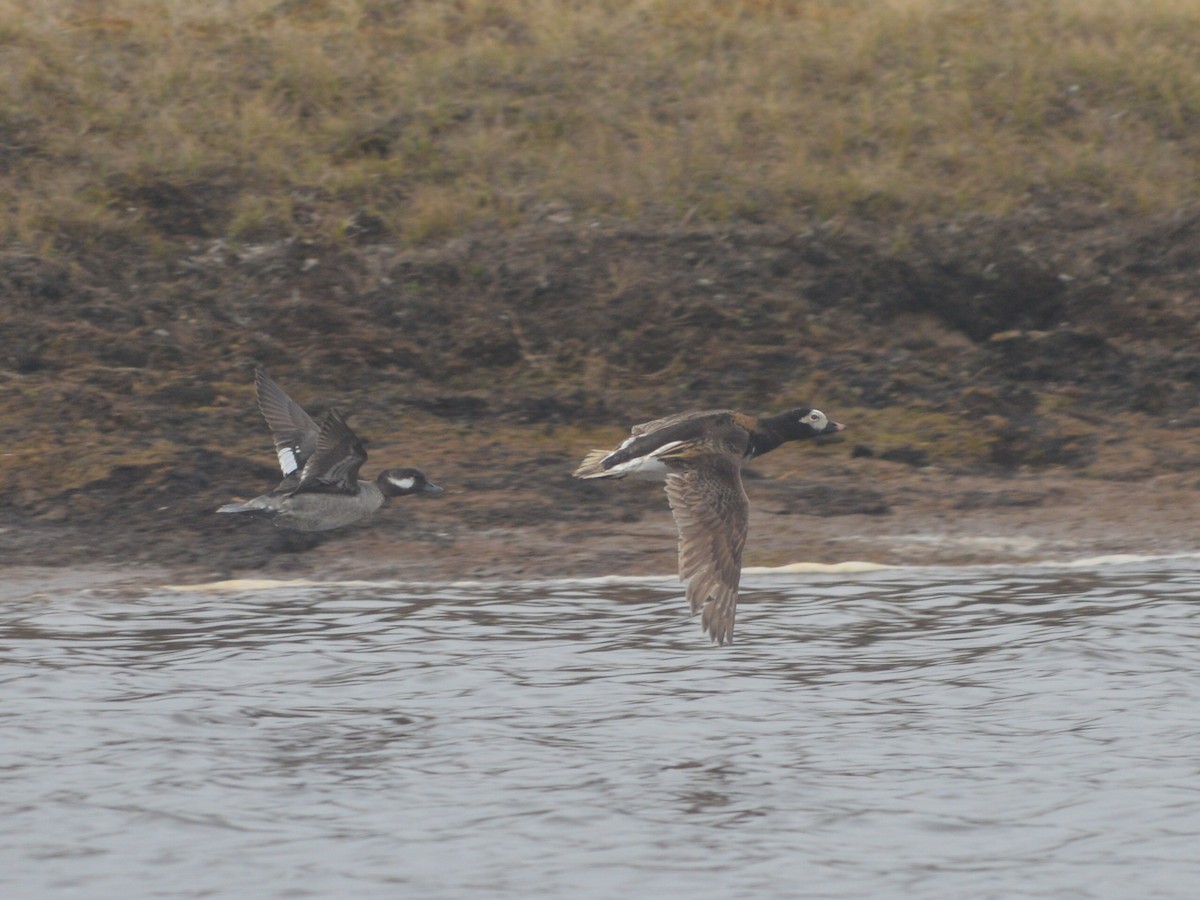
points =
(320, 489)
(699, 455)
(321, 511)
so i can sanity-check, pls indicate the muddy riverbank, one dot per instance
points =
(1015, 389)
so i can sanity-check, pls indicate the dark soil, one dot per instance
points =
(1015, 389)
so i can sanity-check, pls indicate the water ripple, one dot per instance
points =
(929, 733)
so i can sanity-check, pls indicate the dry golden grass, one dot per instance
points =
(283, 117)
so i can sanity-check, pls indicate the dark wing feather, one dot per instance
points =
(294, 432)
(667, 421)
(713, 514)
(333, 467)
(690, 432)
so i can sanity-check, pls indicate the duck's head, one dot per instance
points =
(402, 482)
(804, 422)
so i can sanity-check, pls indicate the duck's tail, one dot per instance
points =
(591, 466)
(251, 506)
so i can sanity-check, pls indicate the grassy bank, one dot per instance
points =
(167, 120)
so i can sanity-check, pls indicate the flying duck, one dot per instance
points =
(700, 455)
(320, 489)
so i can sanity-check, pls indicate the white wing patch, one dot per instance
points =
(648, 467)
(667, 448)
(287, 460)
(644, 468)
(625, 443)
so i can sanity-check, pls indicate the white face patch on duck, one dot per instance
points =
(816, 420)
(403, 484)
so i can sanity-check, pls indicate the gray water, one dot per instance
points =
(980, 732)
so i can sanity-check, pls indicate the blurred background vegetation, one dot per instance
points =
(414, 120)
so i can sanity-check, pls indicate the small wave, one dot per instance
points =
(272, 584)
(843, 568)
(260, 584)
(850, 567)
(1118, 559)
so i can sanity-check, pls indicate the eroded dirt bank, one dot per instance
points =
(1016, 389)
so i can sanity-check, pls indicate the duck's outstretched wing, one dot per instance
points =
(712, 513)
(673, 436)
(294, 432)
(667, 421)
(334, 464)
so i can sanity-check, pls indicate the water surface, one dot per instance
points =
(909, 732)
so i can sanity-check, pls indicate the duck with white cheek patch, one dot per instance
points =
(700, 456)
(320, 489)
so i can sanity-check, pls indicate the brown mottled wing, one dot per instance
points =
(294, 433)
(667, 421)
(333, 467)
(713, 514)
